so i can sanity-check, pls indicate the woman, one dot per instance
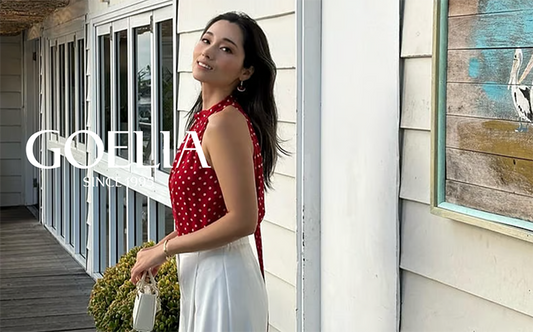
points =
(215, 209)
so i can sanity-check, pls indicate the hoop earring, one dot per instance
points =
(241, 87)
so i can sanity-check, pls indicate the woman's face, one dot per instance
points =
(219, 55)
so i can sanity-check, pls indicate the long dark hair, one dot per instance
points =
(258, 99)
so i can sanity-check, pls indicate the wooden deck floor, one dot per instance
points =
(42, 288)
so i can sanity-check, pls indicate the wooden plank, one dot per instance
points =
(56, 280)
(490, 171)
(417, 28)
(10, 39)
(433, 246)
(490, 200)
(11, 67)
(38, 291)
(10, 133)
(11, 100)
(462, 7)
(10, 117)
(498, 30)
(10, 199)
(11, 167)
(416, 96)
(281, 198)
(42, 287)
(10, 51)
(48, 323)
(415, 166)
(489, 101)
(11, 150)
(485, 66)
(55, 305)
(10, 84)
(431, 305)
(469, 7)
(10, 184)
(489, 136)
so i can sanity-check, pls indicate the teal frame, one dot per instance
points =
(511, 226)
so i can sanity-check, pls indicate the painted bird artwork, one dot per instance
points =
(521, 94)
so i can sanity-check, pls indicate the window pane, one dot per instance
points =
(143, 86)
(72, 84)
(105, 88)
(122, 91)
(61, 196)
(53, 87)
(62, 87)
(165, 89)
(141, 219)
(103, 236)
(121, 220)
(52, 205)
(81, 91)
(83, 212)
(165, 221)
(71, 197)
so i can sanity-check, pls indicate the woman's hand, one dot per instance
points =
(147, 259)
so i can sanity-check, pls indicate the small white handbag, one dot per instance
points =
(147, 304)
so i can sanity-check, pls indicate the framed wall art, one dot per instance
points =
(482, 131)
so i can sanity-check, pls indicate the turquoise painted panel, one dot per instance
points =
(492, 66)
(498, 30)
(496, 6)
(472, 7)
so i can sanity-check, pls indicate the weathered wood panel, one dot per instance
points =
(502, 173)
(486, 66)
(490, 200)
(469, 7)
(489, 101)
(489, 136)
(498, 30)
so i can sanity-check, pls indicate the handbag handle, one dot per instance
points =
(152, 284)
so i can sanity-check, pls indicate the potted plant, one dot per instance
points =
(113, 295)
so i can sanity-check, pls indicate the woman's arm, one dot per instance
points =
(229, 150)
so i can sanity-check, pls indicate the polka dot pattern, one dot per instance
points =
(195, 193)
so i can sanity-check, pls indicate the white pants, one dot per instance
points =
(222, 290)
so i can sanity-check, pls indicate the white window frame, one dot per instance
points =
(111, 27)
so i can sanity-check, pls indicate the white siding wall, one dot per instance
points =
(455, 277)
(359, 167)
(279, 238)
(11, 141)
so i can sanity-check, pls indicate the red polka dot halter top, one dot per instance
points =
(195, 192)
